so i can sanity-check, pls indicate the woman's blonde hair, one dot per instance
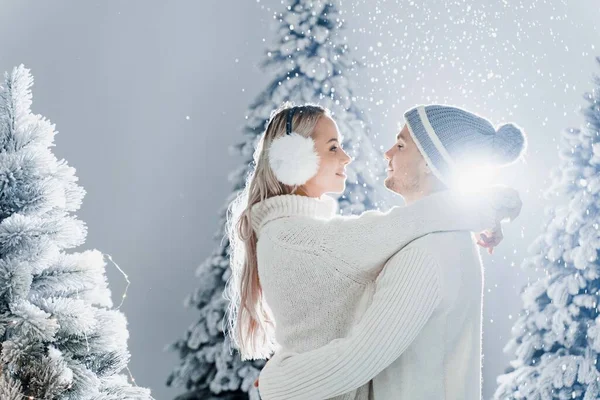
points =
(249, 320)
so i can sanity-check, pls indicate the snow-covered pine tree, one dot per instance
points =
(556, 339)
(310, 62)
(60, 338)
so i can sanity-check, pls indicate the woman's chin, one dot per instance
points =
(338, 189)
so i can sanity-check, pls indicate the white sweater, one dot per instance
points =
(428, 307)
(318, 272)
(418, 339)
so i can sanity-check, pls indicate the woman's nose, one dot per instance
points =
(346, 159)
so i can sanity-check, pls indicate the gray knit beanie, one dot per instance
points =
(450, 138)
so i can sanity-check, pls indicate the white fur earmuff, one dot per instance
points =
(293, 159)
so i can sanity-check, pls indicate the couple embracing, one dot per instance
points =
(383, 305)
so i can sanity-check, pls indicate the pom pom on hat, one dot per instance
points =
(508, 144)
(293, 159)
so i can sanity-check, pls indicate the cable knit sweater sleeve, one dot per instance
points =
(373, 237)
(406, 295)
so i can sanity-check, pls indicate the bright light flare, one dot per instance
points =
(473, 178)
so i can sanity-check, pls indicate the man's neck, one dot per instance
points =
(410, 198)
(426, 187)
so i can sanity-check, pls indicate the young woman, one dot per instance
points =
(302, 276)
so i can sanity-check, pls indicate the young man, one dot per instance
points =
(420, 337)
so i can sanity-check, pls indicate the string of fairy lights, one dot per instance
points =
(28, 397)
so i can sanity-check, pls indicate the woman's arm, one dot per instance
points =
(372, 238)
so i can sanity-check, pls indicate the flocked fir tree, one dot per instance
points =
(556, 339)
(61, 339)
(310, 63)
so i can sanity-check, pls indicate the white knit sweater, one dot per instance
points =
(318, 270)
(420, 337)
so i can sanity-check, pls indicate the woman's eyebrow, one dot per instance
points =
(332, 140)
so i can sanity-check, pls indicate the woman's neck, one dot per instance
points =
(300, 191)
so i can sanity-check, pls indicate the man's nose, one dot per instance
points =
(387, 155)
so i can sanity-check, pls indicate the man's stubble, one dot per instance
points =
(407, 186)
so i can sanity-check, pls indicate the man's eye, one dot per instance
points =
(400, 146)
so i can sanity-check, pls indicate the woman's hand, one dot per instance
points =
(256, 381)
(505, 202)
(490, 238)
(505, 205)
(490, 206)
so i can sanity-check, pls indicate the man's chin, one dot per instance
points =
(390, 184)
(393, 187)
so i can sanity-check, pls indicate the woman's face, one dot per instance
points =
(331, 177)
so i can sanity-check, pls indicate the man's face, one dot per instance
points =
(407, 169)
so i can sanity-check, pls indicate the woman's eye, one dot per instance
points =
(333, 148)
(400, 146)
